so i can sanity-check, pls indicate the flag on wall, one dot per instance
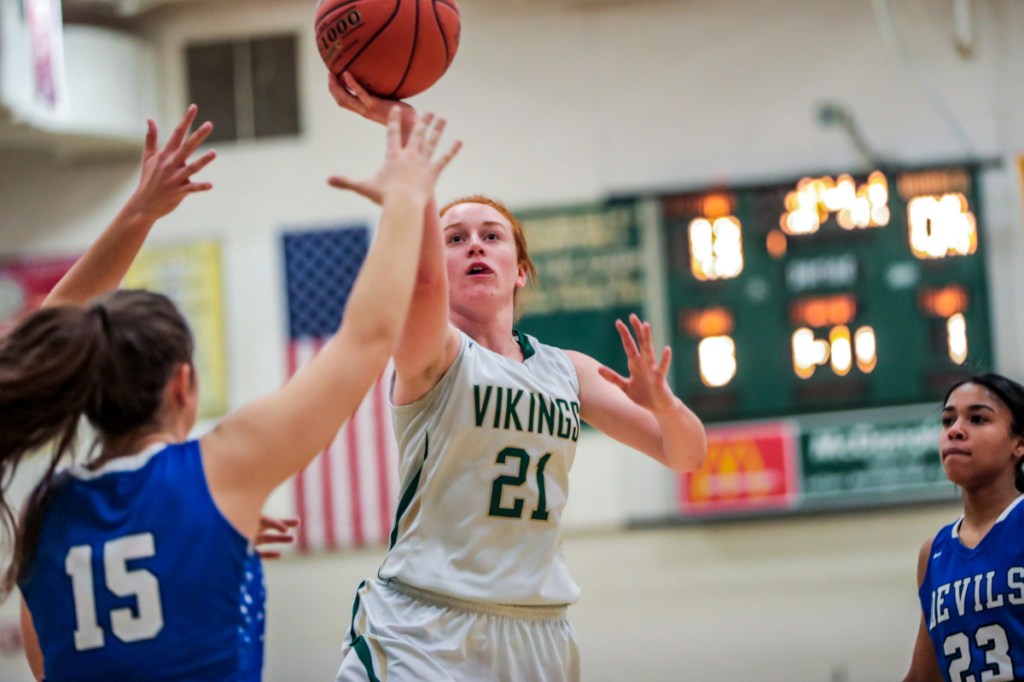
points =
(347, 496)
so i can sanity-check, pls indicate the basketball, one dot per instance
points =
(394, 48)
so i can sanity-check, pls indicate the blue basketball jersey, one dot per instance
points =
(138, 576)
(973, 601)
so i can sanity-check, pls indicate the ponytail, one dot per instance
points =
(49, 369)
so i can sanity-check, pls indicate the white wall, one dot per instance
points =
(557, 104)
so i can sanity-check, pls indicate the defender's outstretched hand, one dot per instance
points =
(646, 385)
(409, 166)
(165, 181)
(167, 173)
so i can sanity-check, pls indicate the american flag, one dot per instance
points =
(347, 496)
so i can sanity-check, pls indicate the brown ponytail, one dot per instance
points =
(48, 371)
(108, 362)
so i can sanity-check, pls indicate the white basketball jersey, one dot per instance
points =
(485, 458)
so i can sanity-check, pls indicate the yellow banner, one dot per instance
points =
(190, 275)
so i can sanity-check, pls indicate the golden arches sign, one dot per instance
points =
(746, 467)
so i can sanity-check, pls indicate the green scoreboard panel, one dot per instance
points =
(826, 293)
(589, 272)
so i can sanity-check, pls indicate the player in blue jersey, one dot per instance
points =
(971, 574)
(138, 562)
(487, 421)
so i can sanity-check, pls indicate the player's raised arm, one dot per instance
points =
(429, 342)
(641, 410)
(166, 179)
(257, 447)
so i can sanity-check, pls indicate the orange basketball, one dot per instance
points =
(393, 48)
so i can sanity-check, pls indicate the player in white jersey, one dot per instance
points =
(474, 586)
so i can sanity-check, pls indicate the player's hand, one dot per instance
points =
(349, 94)
(646, 384)
(274, 531)
(409, 167)
(167, 173)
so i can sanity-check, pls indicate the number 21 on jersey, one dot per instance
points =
(515, 511)
(138, 583)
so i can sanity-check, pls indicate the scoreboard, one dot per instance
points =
(815, 324)
(826, 293)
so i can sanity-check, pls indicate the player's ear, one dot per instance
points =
(181, 384)
(521, 277)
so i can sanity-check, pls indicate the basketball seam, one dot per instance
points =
(444, 37)
(412, 52)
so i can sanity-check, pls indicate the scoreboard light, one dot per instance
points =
(716, 350)
(956, 333)
(701, 324)
(826, 314)
(941, 226)
(814, 199)
(838, 351)
(716, 248)
(823, 311)
(944, 301)
(866, 350)
(717, 360)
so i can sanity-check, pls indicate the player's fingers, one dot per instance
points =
(356, 89)
(395, 128)
(628, 343)
(666, 362)
(196, 166)
(434, 136)
(343, 96)
(151, 137)
(275, 538)
(182, 128)
(277, 522)
(197, 137)
(613, 377)
(443, 162)
(419, 131)
(643, 335)
(359, 188)
(341, 182)
(193, 187)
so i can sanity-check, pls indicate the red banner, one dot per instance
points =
(747, 468)
(25, 283)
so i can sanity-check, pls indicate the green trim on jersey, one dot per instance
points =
(524, 344)
(355, 610)
(409, 493)
(363, 652)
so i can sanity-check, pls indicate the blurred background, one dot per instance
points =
(818, 206)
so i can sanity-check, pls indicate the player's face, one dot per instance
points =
(977, 445)
(483, 265)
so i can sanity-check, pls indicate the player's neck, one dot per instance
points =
(131, 444)
(983, 507)
(493, 333)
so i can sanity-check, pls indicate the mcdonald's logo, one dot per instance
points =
(746, 468)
